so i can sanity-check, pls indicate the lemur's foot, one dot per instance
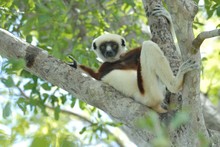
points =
(159, 109)
(189, 65)
(73, 63)
(161, 11)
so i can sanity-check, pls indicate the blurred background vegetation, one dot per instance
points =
(35, 113)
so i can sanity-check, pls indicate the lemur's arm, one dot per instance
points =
(86, 69)
(128, 60)
(91, 72)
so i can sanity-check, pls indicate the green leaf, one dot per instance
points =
(45, 97)
(114, 124)
(40, 142)
(218, 11)
(82, 105)
(21, 102)
(63, 99)
(83, 130)
(16, 64)
(46, 86)
(204, 59)
(67, 143)
(99, 115)
(25, 74)
(29, 86)
(4, 138)
(31, 4)
(7, 110)
(73, 102)
(44, 19)
(8, 82)
(57, 112)
(29, 38)
(53, 99)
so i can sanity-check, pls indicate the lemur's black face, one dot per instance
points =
(109, 49)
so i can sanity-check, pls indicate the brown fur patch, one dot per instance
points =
(127, 61)
(140, 79)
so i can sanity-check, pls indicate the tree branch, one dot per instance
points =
(211, 113)
(215, 138)
(95, 93)
(202, 36)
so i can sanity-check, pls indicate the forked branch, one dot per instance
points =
(202, 36)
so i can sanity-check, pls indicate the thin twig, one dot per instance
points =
(202, 36)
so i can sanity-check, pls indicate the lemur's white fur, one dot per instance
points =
(154, 69)
(123, 80)
(109, 37)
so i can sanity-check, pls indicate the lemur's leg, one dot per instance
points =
(174, 85)
(155, 68)
(161, 11)
(160, 65)
(150, 60)
(187, 65)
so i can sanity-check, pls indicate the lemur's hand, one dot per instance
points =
(189, 65)
(161, 11)
(73, 63)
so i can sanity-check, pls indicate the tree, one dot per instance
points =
(139, 122)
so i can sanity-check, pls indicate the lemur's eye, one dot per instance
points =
(114, 46)
(102, 47)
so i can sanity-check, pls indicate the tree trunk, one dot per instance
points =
(190, 96)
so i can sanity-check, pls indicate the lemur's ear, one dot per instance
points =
(94, 46)
(123, 42)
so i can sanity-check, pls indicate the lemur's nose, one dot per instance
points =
(109, 53)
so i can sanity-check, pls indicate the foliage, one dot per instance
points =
(153, 124)
(210, 49)
(210, 77)
(212, 6)
(62, 28)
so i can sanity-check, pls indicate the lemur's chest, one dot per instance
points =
(122, 80)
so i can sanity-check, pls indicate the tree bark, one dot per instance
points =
(190, 96)
(191, 89)
(95, 93)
